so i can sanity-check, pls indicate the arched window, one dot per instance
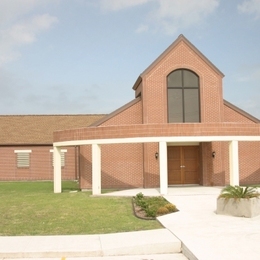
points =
(183, 97)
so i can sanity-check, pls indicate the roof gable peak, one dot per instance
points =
(180, 38)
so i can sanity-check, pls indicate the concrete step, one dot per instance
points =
(132, 257)
(159, 241)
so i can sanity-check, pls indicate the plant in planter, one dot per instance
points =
(239, 201)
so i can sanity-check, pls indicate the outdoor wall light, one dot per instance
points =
(156, 155)
(213, 154)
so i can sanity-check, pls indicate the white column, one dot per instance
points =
(233, 163)
(57, 169)
(163, 168)
(96, 169)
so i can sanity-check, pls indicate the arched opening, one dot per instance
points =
(183, 97)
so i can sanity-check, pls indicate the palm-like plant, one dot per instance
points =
(238, 192)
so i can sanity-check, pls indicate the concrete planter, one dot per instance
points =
(239, 207)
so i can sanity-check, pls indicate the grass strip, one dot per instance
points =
(31, 208)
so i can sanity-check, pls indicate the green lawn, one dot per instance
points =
(31, 208)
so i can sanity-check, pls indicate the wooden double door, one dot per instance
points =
(183, 165)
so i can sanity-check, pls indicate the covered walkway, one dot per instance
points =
(162, 141)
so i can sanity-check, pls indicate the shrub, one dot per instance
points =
(139, 196)
(162, 210)
(170, 207)
(238, 192)
(140, 201)
(150, 205)
(151, 212)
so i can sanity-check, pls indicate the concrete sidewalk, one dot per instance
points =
(160, 241)
(195, 230)
(131, 257)
(206, 234)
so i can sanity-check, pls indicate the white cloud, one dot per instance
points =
(249, 74)
(142, 28)
(18, 27)
(115, 5)
(166, 15)
(24, 32)
(177, 14)
(250, 7)
(11, 10)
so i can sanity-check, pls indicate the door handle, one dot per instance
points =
(182, 166)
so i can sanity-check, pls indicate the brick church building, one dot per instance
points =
(178, 130)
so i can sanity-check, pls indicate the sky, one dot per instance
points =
(84, 56)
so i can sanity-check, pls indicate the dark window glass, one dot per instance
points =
(176, 112)
(175, 79)
(191, 105)
(190, 80)
(183, 97)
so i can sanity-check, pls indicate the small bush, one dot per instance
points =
(151, 212)
(139, 196)
(162, 211)
(151, 205)
(142, 203)
(170, 207)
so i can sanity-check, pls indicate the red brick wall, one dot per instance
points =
(151, 166)
(232, 116)
(155, 86)
(132, 115)
(85, 165)
(40, 164)
(206, 164)
(145, 130)
(216, 170)
(121, 166)
(249, 156)
(249, 165)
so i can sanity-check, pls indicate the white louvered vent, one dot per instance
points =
(23, 158)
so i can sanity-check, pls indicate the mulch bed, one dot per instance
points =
(139, 212)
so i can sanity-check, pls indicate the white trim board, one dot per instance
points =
(168, 139)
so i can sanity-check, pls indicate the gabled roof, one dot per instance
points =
(241, 112)
(181, 38)
(38, 129)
